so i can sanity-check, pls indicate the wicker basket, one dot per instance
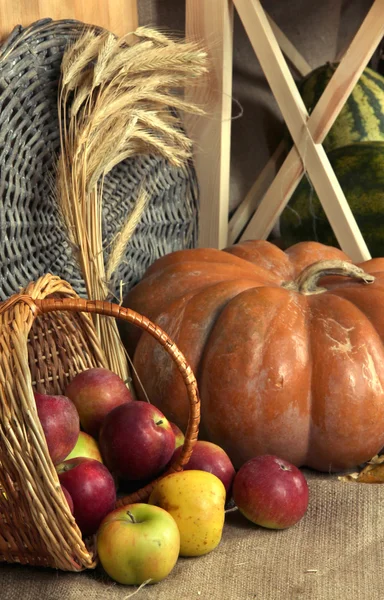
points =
(46, 338)
(32, 238)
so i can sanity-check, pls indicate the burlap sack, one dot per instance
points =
(336, 552)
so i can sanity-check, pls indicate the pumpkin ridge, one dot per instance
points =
(175, 319)
(207, 256)
(170, 283)
(248, 270)
(311, 429)
(219, 310)
(303, 254)
(374, 265)
(265, 254)
(224, 356)
(359, 303)
(349, 399)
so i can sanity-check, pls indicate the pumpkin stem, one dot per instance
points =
(306, 282)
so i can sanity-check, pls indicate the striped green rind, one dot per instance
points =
(361, 118)
(360, 171)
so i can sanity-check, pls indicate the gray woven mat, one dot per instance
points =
(32, 240)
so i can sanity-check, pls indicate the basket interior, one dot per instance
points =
(58, 349)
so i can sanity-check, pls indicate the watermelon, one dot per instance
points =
(360, 171)
(362, 117)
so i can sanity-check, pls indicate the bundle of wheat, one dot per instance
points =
(117, 99)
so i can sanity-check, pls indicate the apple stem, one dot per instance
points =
(159, 422)
(232, 509)
(130, 515)
(284, 467)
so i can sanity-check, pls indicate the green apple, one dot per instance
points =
(138, 543)
(86, 447)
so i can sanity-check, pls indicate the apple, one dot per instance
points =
(92, 490)
(86, 447)
(270, 492)
(136, 441)
(60, 422)
(196, 500)
(179, 435)
(95, 392)
(68, 498)
(209, 457)
(138, 543)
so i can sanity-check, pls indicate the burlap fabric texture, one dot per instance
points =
(336, 552)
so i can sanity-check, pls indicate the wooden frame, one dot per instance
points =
(307, 132)
(212, 134)
(119, 16)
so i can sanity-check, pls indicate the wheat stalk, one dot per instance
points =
(115, 101)
(120, 242)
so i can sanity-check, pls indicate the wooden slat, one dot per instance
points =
(294, 112)
(212, 22)
(253, 198)
(290, 51)
(248, 206)
(274, 201)
(119, 16)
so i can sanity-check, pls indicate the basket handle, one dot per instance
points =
(126, 314)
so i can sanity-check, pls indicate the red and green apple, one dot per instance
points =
(136, 441)
(86, 447)
(179, 435)
(210, 457)
(95, 392)
(138, 543)
(92, 489)
(60, 422)
(271, 492)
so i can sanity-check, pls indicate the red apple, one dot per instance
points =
(68, 498)
(179, 435)
(136, 441)
(271, 492)
(95, 392)
(209, 457)
(60, 422)
(92, 490)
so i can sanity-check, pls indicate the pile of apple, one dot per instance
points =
(100, 438)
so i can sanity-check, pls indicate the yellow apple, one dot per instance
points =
(138, 543)
(196, 500)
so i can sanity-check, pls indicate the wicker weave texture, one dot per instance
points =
(36, 526)
(46, 331)
(32, 240)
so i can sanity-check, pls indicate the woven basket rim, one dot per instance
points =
(37, 300)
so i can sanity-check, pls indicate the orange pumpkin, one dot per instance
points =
(284, 366)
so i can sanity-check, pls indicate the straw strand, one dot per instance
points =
(115, 97)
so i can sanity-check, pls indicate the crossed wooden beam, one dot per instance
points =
(308, 132)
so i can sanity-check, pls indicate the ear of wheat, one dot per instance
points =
(117, 98)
